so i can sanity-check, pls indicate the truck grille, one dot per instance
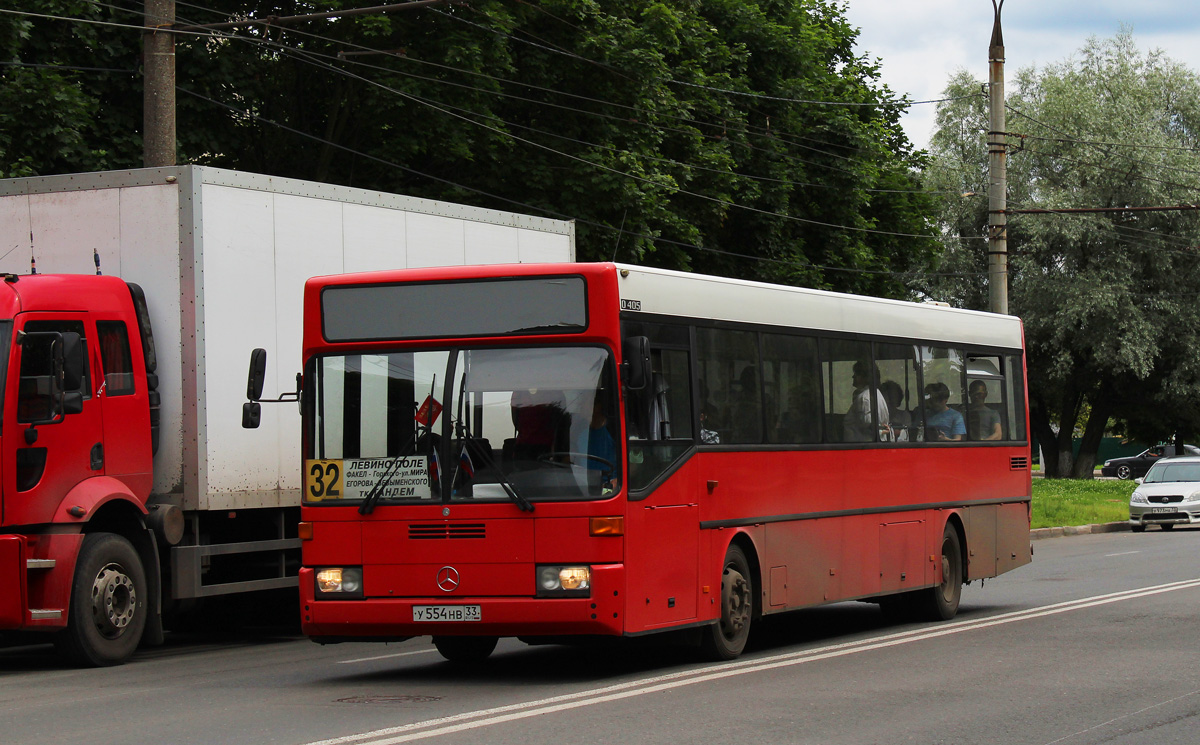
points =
(440, 531)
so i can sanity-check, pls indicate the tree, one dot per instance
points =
(659, 125)
(1109, 300)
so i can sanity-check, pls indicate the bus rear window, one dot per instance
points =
(445, 310)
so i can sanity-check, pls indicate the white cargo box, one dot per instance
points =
(222, 257)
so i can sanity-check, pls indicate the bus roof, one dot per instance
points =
(674, 293)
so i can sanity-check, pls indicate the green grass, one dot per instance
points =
(1063, 502)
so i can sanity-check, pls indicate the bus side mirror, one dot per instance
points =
(257, 374)
(635, 368)
(252, 409)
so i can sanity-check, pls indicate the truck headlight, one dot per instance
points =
(559, 581)
(344, 583)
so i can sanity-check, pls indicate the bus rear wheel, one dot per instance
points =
(726, 639)
(107, 613)
(465, 649)
(940, 602)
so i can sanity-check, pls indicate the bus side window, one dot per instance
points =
(850, 380)
(1014, 389)
(942, 374)
(794, 412)
(731, 383)
(986, 416)
(658, 418)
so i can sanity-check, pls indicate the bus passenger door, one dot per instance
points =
(662, 536)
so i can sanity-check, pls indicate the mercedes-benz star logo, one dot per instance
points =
(447, 579)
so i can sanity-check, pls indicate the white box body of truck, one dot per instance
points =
(222, 257)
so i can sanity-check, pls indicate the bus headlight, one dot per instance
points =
(344, 583)
(564, 581)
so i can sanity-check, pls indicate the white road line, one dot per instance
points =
(386, 656)
(501, 714)
(1123, 553)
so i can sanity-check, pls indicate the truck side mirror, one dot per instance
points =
(635, 369)
(73, 402)
(74, 363)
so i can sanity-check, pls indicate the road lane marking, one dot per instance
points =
(386, 656)
(1125, 716)
(1123, 553)
(512, 712)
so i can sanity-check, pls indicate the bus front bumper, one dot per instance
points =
(381, 618)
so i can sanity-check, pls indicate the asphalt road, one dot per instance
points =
(1092, 643)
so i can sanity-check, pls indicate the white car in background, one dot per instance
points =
(1167, 496)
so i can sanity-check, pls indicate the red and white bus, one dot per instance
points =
(549, 451)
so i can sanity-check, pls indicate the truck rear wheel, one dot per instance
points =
(108, 608)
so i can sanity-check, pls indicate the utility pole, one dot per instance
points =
(158, 72)
(997, 174)
(158, 64)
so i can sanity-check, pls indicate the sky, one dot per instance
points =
(921, 43)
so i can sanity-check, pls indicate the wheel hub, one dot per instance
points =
(114, 600)
(736, 599)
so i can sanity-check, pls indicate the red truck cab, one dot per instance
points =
(77, 558)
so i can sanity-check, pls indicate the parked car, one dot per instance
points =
(1169, 495)
(1133, 466)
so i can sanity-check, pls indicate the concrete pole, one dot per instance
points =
(158, 74)
(997, 175)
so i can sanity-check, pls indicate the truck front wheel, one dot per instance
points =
(108, 603)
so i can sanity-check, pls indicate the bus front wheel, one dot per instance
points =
(726, 639)
(465, 648)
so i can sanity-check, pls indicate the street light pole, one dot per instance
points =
(997, 174)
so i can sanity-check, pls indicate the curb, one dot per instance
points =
(1037, 533)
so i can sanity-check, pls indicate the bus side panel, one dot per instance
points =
(809, 554)
(980, 524)
(1012, 537)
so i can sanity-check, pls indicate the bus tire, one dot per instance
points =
(940, 602)
(465, 648)
(108, 603)
(725, 639)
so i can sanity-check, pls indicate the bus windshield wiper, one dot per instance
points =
(368, 503)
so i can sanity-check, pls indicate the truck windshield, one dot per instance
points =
(524, 424)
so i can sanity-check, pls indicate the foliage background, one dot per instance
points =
(672, 131)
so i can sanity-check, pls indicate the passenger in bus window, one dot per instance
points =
(901, 420)
(942, 424)
(857, 422)
(984, 420)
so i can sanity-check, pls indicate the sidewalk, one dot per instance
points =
(1036, 533)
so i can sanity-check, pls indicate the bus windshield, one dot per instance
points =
(462, 424)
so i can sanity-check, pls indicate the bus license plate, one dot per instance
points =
(447, 613)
